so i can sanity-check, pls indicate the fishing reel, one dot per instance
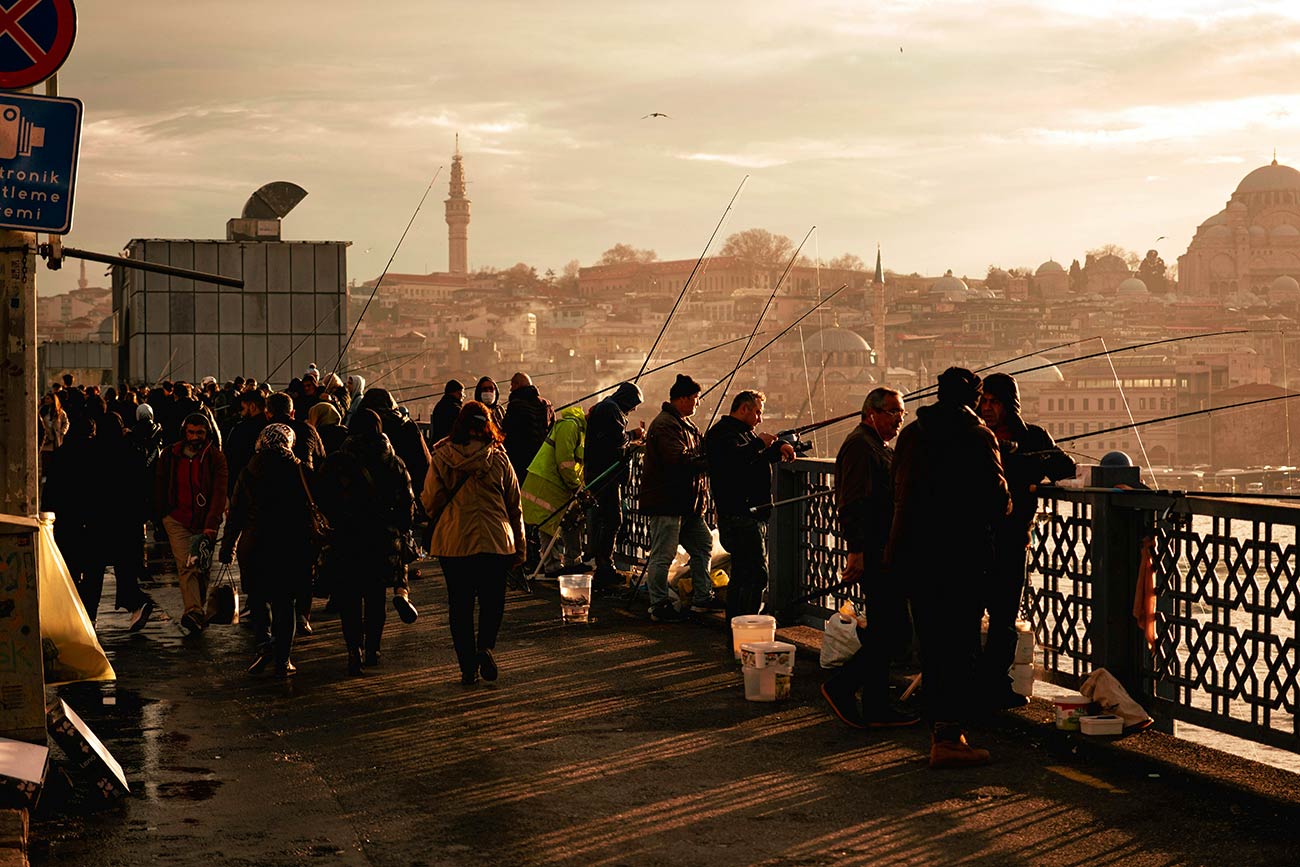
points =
(791, 438)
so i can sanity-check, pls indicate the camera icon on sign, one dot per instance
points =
(17, 135)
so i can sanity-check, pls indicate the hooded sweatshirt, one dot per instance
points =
(484, 515)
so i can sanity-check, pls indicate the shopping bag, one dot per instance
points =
(223, 601)
(840, 641)
(70, 649)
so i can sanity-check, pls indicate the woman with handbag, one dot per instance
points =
(269, 525)
(472, 497)
(365, 493)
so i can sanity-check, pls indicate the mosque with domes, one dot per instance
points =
(1252, 245)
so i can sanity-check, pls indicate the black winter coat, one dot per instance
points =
(241, 444)
(674, 467)
(407, 443)
(1029, 455)
(443, 417)
(307, 446)
(606, 437)
(528, 417)
(269, 526)
(740, 468)
(364, 491)
(864, 493)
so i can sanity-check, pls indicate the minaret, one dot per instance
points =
(878, 315)
(457, 217)
(82, 282)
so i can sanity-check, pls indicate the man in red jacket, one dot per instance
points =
(190, 489)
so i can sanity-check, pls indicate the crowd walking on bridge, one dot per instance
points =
(329, 490)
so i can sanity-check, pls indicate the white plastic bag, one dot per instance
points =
(840, 641)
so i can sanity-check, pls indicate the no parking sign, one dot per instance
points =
(35, 38)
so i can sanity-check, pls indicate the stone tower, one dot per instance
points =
(457, 217)
(878, 315)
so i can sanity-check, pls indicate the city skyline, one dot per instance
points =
(956, 135)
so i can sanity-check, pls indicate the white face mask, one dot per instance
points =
(490, 398)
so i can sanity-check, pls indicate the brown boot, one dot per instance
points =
(946, 752)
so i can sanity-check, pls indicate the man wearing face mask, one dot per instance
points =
(486, 393)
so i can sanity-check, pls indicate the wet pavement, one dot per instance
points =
(622, 742)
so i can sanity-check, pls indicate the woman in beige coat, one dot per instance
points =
(472, 498)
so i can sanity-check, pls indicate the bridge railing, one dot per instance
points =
(1226, 577)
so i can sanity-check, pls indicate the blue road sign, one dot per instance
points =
(39, 140)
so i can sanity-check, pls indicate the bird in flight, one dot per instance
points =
(655, 114)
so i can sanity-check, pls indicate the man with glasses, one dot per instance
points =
(864, 499)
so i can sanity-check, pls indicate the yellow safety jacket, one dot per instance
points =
(556, 470)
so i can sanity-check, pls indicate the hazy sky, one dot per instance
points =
(1002, 133)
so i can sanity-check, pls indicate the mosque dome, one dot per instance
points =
(1271, 178)
(1132, 288)
(1217, 220)
(1049, 372)
(1284, 287)
(836, 339)
(1109, 262)
(1051, 266)
(954, 288)
(1284, 232)
(1218, 232)
(1258, 234)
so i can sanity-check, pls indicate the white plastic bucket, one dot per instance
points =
(1022, 679)
(751, 627)
(1069, 710)
(777, 655)
(766, 684)
(1024, 643)
(575, 597)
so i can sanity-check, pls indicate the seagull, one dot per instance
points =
(655, 114)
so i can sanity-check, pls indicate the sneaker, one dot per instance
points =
(844, 704)
(372, 659)
(666, 612)
(888, 717)
(487, 665)
(304, 626)
(191, 623)
(288, 669)
(140, 616)
(354, 663)
(614, 580)
(405, 610)
(259, 665)
(946, 753)
(707, 604)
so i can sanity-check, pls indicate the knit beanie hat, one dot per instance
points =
(683, 387)
(453, 385)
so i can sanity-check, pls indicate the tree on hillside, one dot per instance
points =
(1130, 258)
(996, 279)
(520, 279)
(1152, 272)
(1077, 282)
(567, 283)
(849, 262)
(759, 247)
(626, 254)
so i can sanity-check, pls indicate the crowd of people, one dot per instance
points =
(328, 489)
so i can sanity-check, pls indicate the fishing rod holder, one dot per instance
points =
(791, 438)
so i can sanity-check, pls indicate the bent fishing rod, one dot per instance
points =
(782, 333)
(731, 376)
(384, 274)
(689, 278)
(930, 389)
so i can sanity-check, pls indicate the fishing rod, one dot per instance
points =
(384, 274)
(786, 502)
(731, 376)
(782, 333)
(689, 278)
(654, 370)
(425, 385)
(1204, 495)
(1180, 415)
(929, 389)
(299, 344)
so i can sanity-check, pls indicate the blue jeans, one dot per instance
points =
(666, 532)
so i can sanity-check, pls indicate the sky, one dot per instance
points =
(955, 135)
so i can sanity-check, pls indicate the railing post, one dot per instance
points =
(1117, 534)
(785, 572)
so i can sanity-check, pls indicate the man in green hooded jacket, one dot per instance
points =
(554, 476)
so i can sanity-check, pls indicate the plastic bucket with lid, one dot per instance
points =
(575, 597)
(751, 627)
(778, 655)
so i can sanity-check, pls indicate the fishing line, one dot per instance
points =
(380, 281)
(1128, 410)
